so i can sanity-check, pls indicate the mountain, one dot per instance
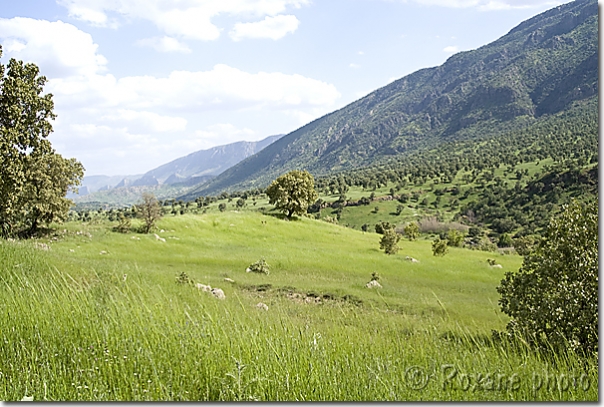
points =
(204, 164)
(168, 180)
(94, 183)
(544, 66)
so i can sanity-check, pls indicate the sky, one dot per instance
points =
(138, 83)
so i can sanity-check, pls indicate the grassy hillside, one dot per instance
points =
(90, 314)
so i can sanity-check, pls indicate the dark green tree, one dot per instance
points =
(553, 298)
(292, 193)
(33, 178)
(389, 241)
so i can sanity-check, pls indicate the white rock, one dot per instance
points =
(373, 284)
(203, 287)
(262, 305)
(497, 266)
(218, 293)
(411, 259)
(161, 239)
(103, 252)
(230, 280)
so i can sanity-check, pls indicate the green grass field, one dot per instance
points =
(100, 316)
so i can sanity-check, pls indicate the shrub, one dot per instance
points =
(123, 225)
(261, 266)
(524, 245)
(222, 207)
(411, 230)
(553, 298)
(454, 238)
(439, 247)
(389, 241)
(381, 227)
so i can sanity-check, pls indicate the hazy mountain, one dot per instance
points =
(173, 178)
(541, 67)
(204, 164)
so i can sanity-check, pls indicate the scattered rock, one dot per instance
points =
(135, 238)
(230, 280)
(497, 266)
(247, 270)
(262, 305)
(157, 237)
(411, 259)
(203, 287)
(71, 251)
(162, 231)
(103, 252)
(373, 284)
(42, 246)
(218, 293)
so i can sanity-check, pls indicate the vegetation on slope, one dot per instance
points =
(102, 316)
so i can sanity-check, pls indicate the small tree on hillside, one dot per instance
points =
(553, 298)
(389, 241)
(439, 247)
(411, 230)
(150, 211)
(222, 207)
(292, 193)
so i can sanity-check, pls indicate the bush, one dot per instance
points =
(389, 241)
(553, 298)
(439, 247)
(454, 238)
(222, 207)
(411, 230)
(261, 266)
(123, 225)
(524, 245)
(381, 227)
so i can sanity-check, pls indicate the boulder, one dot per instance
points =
(373, 284)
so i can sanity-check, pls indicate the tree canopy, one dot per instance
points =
(554, 295)
(293, 193)
(34, 179)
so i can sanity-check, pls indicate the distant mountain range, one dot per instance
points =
(542, 67)
(192, 169)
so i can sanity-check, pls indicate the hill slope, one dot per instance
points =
(541, 67)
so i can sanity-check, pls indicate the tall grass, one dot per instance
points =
(90, 331)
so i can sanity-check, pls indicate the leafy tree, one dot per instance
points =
(149, 210)
(48, 178)
(554, 296)
(293, 192)
(439, 247)
(411, 230)
(222, 207)
(381, 227)
(240, 203)
(389, 241)
(524, 245)
(454, 238)
(25, 117)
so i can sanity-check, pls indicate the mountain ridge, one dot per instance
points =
(540, 67)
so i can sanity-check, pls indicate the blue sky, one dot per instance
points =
(138, 83)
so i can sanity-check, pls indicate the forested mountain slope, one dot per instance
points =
(543, 67)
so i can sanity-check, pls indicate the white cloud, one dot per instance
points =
(491, 4)
(134, 123)
(58, 48)
(145, 122)
(164, 44)
(354, 66)
(190, 19)
(271, 27)
(451, 49)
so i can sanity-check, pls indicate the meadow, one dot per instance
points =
(91, 314)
